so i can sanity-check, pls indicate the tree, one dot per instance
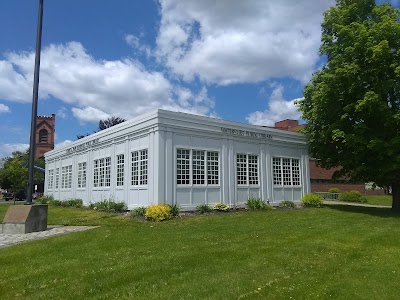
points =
(104, 124)
(14, 172)
(352, 105)
(111, 121)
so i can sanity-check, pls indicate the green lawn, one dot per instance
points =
(379, 200)
(337, 252)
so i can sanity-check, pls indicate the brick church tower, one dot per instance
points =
(45, 128)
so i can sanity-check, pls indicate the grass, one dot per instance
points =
(379, 200)
(328, 253)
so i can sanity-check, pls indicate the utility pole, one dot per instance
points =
(32, 143)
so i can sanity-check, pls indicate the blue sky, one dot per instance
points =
(245, 61)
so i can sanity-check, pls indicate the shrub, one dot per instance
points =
(254, 203)
(203, 208)
(108, 206)
(138, 212)
(312, 200)
(352, 196)
(175, 209)
(158, 212)
(44, 199)
(287, 204)
(78, 203)
(334, 190)
(54, 202)
(221, 207)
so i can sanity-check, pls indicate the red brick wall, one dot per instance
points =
(48, 123)
(324, 187)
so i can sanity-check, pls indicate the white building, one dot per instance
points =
(180, 158)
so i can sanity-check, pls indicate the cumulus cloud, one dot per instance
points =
(278, 109)
(7, 149)
(94, 87)
(4, 108)
(234, 41)
(62, 144)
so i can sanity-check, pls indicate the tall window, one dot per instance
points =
(247, 169)
(43, 136)
(82, 175)
(183, 166)
(120, 170)
(197, 167)
(286, 171)
(50, 179)
(66, 177)
(139, 168)
(212, 167)
(102, 172)
(57, 179)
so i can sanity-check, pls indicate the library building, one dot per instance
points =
(179, 158)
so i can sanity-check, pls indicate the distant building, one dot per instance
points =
(45, 128)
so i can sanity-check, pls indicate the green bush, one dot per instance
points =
(254, 203)
(287, 204)
(138, 212)
(54, 202)
(203, 208)
(109, 206)
(312, 200)
(175, 209)
(352, 196)
(334, 190)
(221, 207)
(158, 212)
(44, 199)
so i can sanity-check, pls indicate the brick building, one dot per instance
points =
(45, 128)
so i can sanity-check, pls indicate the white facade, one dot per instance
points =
(180, 158)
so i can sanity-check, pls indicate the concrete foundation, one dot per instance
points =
(25, 219)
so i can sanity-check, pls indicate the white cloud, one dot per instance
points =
(278, 109)
(7, 149)
(4, 108)
(95, 87)
(62, 144)
(62, 113)
(135, 43)
(234, 41)
(89, 114)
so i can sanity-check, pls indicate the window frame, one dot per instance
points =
(208, 170)
(102, 172)
(246, 169)
(139, 168)
(286, 167)
(82, 175)
(120, 170)
(50, 179)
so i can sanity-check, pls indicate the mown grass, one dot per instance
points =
(336, 252)
(380, 200)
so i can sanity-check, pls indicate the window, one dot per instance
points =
(139, 167)
(43, 136)
(183, 166)
(50, 179)
(82, 175)
(66, 177)
(212, 167)
(247, 169)
(120, 170)
(286, 171)
(57, 179)
(197, 167)
(102, 172)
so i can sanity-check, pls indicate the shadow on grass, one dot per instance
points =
(373, 211)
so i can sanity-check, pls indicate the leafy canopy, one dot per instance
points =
(352, 104)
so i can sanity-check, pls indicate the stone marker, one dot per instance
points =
(25, 219)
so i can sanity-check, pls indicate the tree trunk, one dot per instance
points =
(396, 196)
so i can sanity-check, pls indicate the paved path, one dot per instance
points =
(12, 239)
(353, 204)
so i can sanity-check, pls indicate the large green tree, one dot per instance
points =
(352, 105)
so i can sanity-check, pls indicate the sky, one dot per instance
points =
(244, 61)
